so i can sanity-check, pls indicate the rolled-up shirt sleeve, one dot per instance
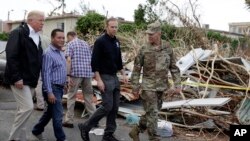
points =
(46, 72)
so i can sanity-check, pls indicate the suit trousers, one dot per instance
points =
(109, 107)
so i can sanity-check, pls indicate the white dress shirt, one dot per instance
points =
(34, 35)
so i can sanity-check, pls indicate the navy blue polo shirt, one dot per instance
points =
(106, 57)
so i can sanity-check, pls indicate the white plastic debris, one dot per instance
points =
(97, 131)
(164, 128)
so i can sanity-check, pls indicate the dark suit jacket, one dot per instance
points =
(24, 58)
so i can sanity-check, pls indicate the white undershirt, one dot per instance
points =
(34, 35)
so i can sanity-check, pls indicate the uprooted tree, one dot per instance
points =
(57, 5)
(181, 27)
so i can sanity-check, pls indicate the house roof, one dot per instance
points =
(65, 16)
(50, 18)
(239, 24)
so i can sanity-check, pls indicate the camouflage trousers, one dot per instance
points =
(152, 102)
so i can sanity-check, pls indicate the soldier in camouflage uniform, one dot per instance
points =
(156, 58)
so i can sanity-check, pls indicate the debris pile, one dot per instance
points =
(214, 93)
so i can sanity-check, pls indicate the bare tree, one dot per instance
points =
(84, 7)
(60, 4)
(185, 14)
(247, 2)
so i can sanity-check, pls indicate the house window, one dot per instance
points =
(60, 26)
(233, 29)
(240, 30)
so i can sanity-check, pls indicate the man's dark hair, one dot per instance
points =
(71, 33)
(54, 31)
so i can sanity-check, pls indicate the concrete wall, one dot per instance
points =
(240, 28)
(68, 25)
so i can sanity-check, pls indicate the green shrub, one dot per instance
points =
(168, 31)
(91, 22)
(126, 27)
(4, 36)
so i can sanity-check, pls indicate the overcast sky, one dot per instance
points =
(216, 13)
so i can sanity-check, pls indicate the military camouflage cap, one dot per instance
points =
(153, 27)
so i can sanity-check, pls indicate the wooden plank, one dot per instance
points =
(196, 102)
(217, 112)
(128, 111)
(125, 109)
(243, 113)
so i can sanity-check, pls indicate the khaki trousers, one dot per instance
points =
(87, 91)
(39, 95)
(25, 107)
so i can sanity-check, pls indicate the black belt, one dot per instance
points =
(58, 85)
(109, 74)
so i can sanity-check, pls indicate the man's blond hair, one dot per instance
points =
(34, 14)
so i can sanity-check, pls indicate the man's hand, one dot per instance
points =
(70, 82)
(174, 91)
(66, 88)
(177, 90)
(124, 79)
(51, 98)
(100, 85)
(19, 84)
(136, 92)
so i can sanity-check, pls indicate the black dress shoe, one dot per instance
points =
(68, 125)
(109, 137)
(38, 109)
(97, 125)
(84, 133)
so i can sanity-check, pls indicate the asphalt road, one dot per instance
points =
(8, 109)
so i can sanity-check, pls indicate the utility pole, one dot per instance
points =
(25, 12)
(8, 17)
(63, 6)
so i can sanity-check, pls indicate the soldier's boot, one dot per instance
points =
(134, 133)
